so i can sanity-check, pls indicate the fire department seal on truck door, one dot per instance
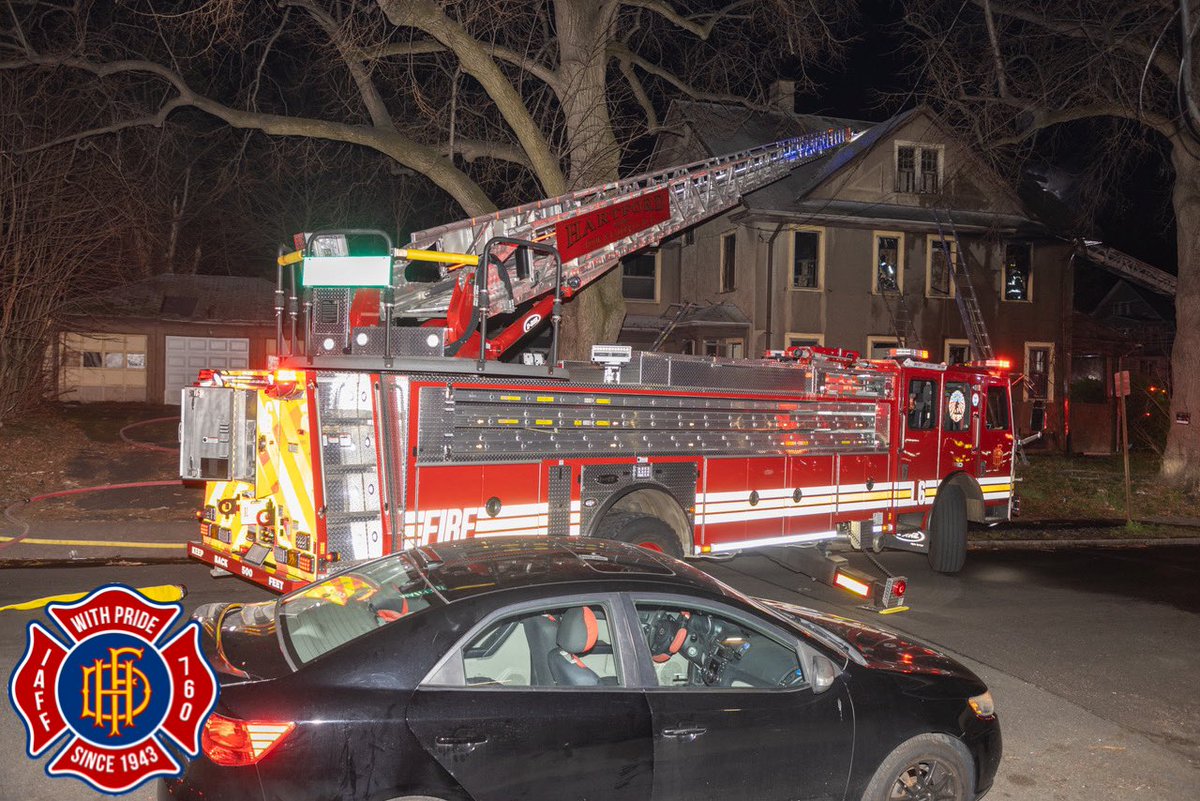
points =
(956, 407)
(120, 690)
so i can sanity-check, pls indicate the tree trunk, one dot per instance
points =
(1181, 460)
(584, 28)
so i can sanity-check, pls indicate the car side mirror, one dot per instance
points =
(823, 674)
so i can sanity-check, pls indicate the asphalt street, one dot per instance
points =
(1091, 653)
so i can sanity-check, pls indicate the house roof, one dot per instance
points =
(197, 298)
(726, 129)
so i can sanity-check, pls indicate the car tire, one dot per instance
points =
(646, 531)
(930, 766)
(948, 530)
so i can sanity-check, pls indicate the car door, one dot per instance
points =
(734, 709)
(506, 723)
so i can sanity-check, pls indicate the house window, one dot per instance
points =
(729, 348)
(728, 254)
(808, 251)
(939, 268)
(1039, 370)
(889, 262)
(639, 278)
(805, 340)
(878, 347)
(1018, 279)
(918, 168)
(958, 351)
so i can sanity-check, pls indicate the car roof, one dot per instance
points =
(489, 564)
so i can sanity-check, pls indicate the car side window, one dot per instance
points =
(696, 648)
(565, 646)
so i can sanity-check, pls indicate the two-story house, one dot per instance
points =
(830, 254)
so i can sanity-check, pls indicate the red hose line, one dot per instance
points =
(103, 487)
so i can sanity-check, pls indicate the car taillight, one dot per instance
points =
(227, 741)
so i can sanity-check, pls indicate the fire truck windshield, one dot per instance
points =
(345, 606)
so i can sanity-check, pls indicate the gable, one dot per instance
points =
(968, 183)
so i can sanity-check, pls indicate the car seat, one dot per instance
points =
(577, 633)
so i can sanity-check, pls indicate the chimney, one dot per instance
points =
(783, 96)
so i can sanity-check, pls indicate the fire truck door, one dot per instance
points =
(917, 451)
(807, 506)
(960, 417)
(995, 436)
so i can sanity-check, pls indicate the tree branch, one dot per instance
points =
(664, 10)
(476, 61)
(426, 47)
(622, 53)
(390, 142)
(380, 117)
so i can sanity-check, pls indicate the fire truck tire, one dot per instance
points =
(948, 531)
(645, 530)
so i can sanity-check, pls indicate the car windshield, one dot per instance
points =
(320, 617)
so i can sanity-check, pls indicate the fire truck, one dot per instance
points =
(394, 422)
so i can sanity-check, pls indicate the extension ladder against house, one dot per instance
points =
(964, 291)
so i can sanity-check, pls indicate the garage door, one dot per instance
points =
(187, 356)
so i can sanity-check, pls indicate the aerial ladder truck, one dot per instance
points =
(390, 421)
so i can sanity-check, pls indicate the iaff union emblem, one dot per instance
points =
(120, 688)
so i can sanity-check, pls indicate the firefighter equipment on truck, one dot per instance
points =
(370, 436)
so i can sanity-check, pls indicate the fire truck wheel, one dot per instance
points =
(645, 530)
(948, 531)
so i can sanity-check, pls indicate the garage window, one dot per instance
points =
(103, 367)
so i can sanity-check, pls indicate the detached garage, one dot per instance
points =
(148, 341)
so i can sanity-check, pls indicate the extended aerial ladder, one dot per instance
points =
(1127, 266)
(508, 262)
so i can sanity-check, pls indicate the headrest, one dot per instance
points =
(577, 630)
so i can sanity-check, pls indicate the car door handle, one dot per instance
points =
(686, 733)
(459, 740)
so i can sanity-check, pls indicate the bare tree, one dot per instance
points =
(57, 242)
(493, 101)
(1009, 73)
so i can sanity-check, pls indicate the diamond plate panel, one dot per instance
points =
(677, 478)
(349, 469)
(559, 494)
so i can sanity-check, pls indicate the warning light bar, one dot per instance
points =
(909, 353)
(992, 364)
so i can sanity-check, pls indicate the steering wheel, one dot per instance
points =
(794, 677)
(664, 632)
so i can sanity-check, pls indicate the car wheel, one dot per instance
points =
(929, 767)
(647, 531)
(948, 530)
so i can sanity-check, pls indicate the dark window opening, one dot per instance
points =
(639, 276)
(805, 265)
(887, 271)
(940, 267)
(1017, 271)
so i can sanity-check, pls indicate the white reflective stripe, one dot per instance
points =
(764, 514)
(996, 480)
(785, 540)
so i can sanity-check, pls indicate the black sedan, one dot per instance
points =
(562, 669)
